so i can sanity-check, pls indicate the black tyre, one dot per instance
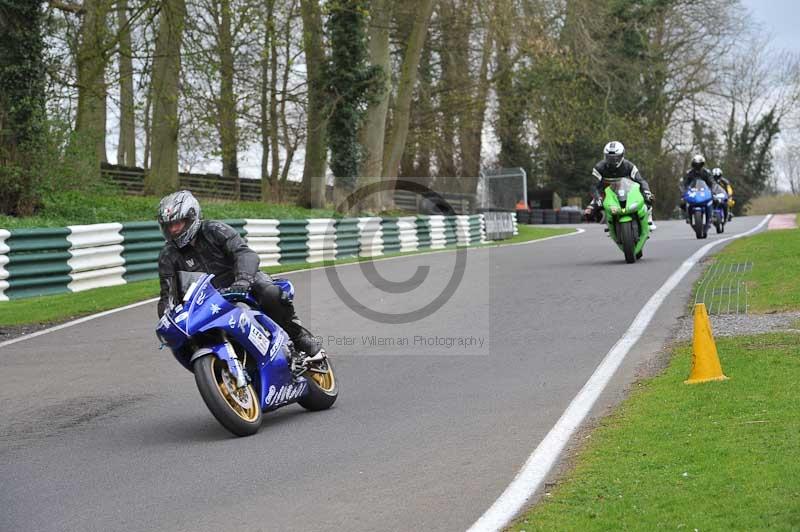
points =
(697, 223)
(628, 242)
(237, 410)
(323, 389)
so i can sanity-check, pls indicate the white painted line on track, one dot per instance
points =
(76, 322)
(375, 259)
(539, 463)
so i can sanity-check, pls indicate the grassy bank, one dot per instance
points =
(780, 204)
(78, 208)
(772, 283)
(718, 456)
(62, 307)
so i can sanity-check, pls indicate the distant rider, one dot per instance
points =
(615, 166)
(196, 245)
(698, 171)
(726, 184)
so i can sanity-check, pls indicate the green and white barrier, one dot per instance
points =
(3, 261)
(36, 262)
(263, 237)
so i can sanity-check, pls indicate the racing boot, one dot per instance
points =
(305, 343)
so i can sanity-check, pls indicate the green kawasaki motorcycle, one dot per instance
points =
(626, 215)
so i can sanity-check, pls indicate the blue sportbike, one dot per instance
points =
(243, 362)
(698, 200)
(719, 212)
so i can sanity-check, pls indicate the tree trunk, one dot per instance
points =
(22, 106)
(126, 149)
(408, 78)
(316, 120)
(471, 127)
(92, 90)
(228, 133)
(373, 131)
(266, 185)
(163, 175)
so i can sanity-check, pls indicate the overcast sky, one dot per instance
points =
(781, 18)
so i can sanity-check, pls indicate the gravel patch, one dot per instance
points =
(9, 332)
(741, 324)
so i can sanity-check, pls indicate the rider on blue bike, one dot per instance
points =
(697, 172)
(725, 184)
(196, 245)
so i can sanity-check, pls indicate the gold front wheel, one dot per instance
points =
(237, 409)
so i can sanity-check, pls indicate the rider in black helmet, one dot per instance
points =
(196, 245)
(697, 171)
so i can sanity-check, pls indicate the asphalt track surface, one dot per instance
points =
(101, 431)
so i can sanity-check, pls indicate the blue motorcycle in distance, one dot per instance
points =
(719, 212)
(243, 362)
(698, 200)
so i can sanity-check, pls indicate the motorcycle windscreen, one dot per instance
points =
(186, 283)
(622, 188)
(698, 185)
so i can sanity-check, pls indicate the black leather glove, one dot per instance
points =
(649, 196)
(242, 286)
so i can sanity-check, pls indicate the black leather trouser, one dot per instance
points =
(270, 298)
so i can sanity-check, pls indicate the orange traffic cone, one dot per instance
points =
(705, 360)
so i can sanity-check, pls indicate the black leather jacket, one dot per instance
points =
(702, 174)
(603, 170)
(217, 248)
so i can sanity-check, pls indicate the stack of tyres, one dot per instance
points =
(562, 217)
(549, 216)
(523, 217)
(537, 216)
(575, 217)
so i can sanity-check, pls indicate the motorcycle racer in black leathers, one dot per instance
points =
(696, 172)
(196, 245)
(615, 166)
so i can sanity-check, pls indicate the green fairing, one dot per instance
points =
(617, 215)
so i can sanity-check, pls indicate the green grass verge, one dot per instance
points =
(77, 208)
(717, 456)
(780, 204)
(61, 307)
(772, 284)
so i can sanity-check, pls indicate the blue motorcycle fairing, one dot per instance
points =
(698, 198)
(205, 310)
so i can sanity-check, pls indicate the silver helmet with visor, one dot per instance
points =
(179, 208)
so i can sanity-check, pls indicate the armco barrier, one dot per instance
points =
(347, 238)
(370, 237)
(96, 256)
(3, 261)
(437, 231)
(293, 236)
(80, 257)
(263, 237)
(407, 229)
(321, 239)
(423, 232)
(142, 241)
(37, 262)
